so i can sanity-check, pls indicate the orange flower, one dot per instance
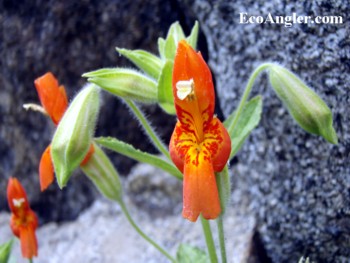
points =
(54, 100)
(23, 220)
(200, 145)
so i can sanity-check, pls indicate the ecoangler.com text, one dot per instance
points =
(288, 21)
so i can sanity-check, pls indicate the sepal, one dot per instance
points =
(102, 173)
(73, 135)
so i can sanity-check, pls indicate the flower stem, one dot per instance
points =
(209, 240)
(31, 260)
(149, 130)
(221, 232)
(246, 93)
(142, 234)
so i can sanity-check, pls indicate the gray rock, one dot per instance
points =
(153, 190)
(297, 183)
(102, 234)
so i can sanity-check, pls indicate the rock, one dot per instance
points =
(297, 183)
(154, 190)
(69, 39)
(102, 234)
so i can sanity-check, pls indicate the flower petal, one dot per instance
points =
(200, 192)
(218, 142)
(46, 171)
(88, 155)
(198, 105)
(181, 140)
(16, 197)
(29, 243)
(52, 96)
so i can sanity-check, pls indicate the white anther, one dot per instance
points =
(184, 88)
(18, 202)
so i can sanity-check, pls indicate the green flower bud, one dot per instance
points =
(149, 63)
(101, 172)
(125, 83)
(306, 107)
(74, 133)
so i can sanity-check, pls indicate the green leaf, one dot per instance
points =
(129, 151)
(193, 37)
(190, 254)
(249, 119)
(161, 46)
(224, 185)
(5, 251)
(125, 83)
(146, 61)
(165, 91)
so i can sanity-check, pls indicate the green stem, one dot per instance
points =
(246, 93)
(221, 232)
(30, 260)
(149, 130)
(141, 233)
(209, 240)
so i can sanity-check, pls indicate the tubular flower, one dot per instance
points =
(200, 145)
(23, 220)
(54, 100)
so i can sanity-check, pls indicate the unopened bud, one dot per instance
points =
(306, 107)
(125, 83)
(149, 63)
(101, 172)
(74, 133)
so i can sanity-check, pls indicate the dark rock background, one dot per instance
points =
(298, 184)
(70, 38)
(295, 185)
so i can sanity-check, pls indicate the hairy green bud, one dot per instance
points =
(74, 133)
(125, 83)
(305, 106)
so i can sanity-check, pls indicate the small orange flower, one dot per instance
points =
(54, 100)
(23, 220)
(200, 145)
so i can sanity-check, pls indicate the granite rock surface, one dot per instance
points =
(102, 234)
(298, 184)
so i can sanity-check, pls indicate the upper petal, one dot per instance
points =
(52, 96)
(198, 105)
(17, 197)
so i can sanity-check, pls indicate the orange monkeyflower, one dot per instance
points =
(23, 220)
(200, 145)
(54, 100)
